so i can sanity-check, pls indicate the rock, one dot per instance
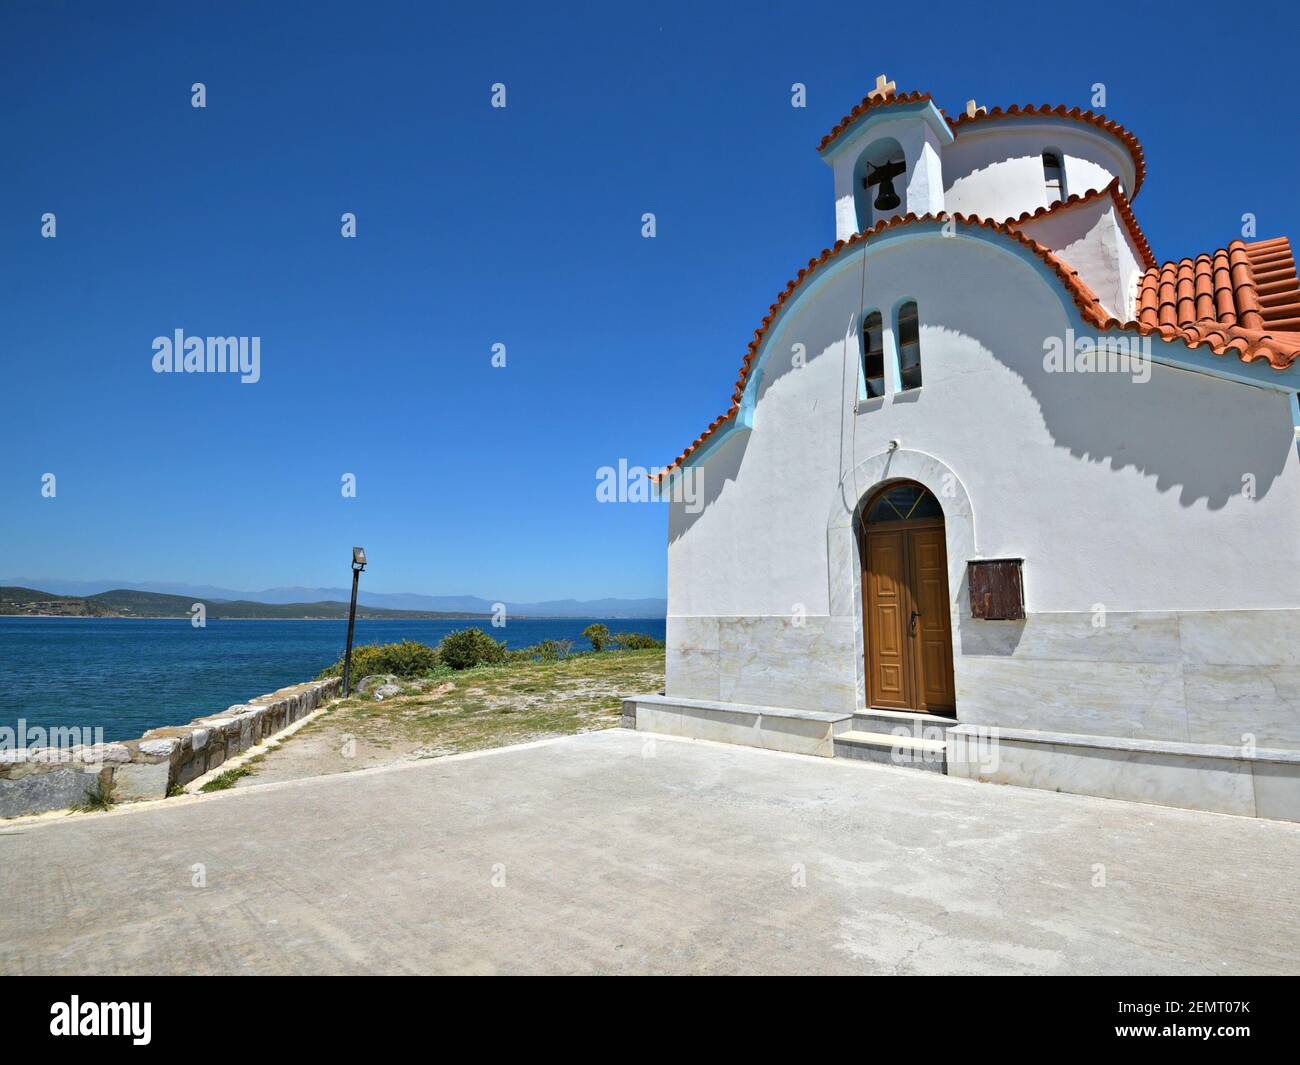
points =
(159, 748)
(367, 682)
(52, 790)
(101, 753)
(385, 691)
(141, 780)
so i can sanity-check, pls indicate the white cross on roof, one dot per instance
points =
(884, 87)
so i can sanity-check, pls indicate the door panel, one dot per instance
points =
(909, 663)
(932, 643)
(888, 606)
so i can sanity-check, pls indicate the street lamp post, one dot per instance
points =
(358, 564)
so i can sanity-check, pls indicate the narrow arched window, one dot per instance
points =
(1054, 176)
(909, 346)
(873, 354)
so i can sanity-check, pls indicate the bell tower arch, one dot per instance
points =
(890, 150)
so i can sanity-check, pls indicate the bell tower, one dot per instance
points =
(886, 155)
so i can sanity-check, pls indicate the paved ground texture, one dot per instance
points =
(614, 852)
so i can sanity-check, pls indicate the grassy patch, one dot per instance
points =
(494, 705)
(226, 779)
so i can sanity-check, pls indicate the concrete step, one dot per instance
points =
(771, 727)
(911, 752)
(930, 726)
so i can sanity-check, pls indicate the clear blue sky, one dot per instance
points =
(477, 226)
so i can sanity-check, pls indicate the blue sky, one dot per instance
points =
(477, 226)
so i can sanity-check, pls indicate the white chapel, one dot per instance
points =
(998, 493)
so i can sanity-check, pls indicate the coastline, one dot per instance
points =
(188, 617)
(360, 617)
(128, 675)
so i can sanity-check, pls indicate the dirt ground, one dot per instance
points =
(468, 711)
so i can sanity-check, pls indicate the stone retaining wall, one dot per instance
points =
(37, 779)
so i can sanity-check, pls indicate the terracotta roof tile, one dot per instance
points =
(1157, 303)
(1247, 287)
(869, 102)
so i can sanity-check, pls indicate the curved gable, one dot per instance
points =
(897, 227)
(1247, 345)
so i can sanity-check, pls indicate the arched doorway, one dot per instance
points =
(907, 621)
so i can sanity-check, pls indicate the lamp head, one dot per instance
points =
(358, 558)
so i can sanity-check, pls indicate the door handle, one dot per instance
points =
(912, 625)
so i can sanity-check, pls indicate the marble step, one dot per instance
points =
(909, 752)
(925, 726)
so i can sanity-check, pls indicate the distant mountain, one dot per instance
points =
(57, 586)
(132, 603)
(454, 605)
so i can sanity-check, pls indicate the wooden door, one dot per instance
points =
(908, 618)
(886, 600)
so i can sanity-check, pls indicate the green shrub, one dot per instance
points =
(635, 641)
(598, 634)
(467, 648)
(552, 650)
(406, 659)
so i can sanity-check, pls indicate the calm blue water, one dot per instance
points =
(129, 675)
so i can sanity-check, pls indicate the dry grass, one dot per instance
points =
(492, 706)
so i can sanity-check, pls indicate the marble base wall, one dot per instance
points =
(1221, 779)
(1214, 677)
(805, 663)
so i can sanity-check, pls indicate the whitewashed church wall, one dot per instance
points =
(1091, 237)
(1166, 498)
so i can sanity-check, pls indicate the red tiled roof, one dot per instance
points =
(1252, 286)
(1244, 292)
(1061, 111)
(875, 100)
(1248, 343)
(872, 99)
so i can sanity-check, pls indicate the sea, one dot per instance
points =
(128, 675)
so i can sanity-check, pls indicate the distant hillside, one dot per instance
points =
(421, 605)
(126, 603)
